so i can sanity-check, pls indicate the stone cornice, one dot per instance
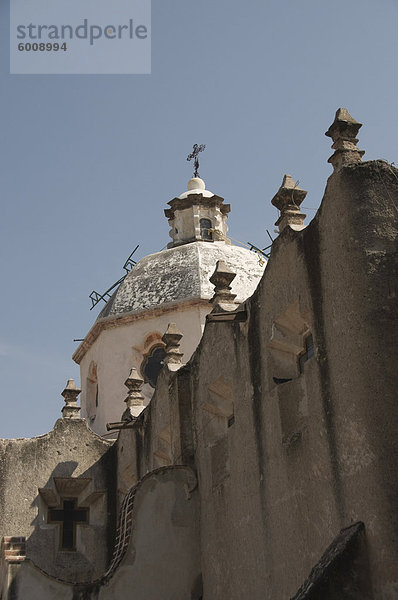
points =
(125, 318)
(192, 199)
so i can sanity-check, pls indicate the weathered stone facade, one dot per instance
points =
(266, 467)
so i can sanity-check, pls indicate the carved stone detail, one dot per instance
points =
(135, 398)
(343, 132)
(172, 339)
(71, 410)
(223, 299)
(287, 200)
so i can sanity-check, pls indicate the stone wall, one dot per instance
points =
(160, 552)
(36, 474)
(287, 412)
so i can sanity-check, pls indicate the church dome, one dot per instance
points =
(182, 273)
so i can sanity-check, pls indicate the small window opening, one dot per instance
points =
(231, 421)
(206, 229)
(307, 354)
(152, 365)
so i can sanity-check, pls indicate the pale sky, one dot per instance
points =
(88, 163)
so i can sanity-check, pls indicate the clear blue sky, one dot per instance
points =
(88, 163)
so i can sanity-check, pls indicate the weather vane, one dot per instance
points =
(194, 155)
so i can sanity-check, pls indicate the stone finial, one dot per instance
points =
(71, 410)
(287, 200)
(222, 278)
(343, 132)
(172, 339)
(135, 399)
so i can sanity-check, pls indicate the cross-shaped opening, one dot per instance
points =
(68, 517)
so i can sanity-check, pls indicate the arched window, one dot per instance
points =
(152, 365)
(206, 229)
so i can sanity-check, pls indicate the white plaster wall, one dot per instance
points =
(184, 224)
(118, 349)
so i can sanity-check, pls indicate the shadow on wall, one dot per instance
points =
(74, 529)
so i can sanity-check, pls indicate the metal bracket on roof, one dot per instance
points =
(262, 251)
(96, 297)
(130, 263)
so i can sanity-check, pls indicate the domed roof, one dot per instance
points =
(182, 273)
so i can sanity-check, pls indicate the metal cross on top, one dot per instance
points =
(194, 155)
